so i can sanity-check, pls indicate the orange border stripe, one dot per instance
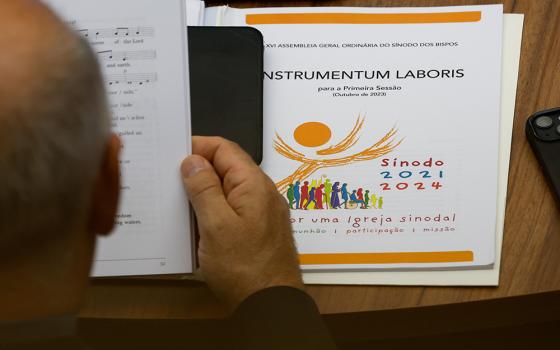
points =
(386, 258)
(363, 18)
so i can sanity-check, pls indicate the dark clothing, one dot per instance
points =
(52, 333)
(275, 318)
(281, 318)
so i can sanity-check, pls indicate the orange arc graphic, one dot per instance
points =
(312, 134)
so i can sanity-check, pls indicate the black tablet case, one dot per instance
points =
(226, 73)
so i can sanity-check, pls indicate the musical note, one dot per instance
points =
(118, 32)
(110, 55)
(122, 31)
(84, 32)
(107, 55)
(131, 78)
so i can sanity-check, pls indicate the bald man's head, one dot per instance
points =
(53, 125)
(30, 36)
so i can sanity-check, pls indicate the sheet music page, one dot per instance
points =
(381, 129)
(142, 49)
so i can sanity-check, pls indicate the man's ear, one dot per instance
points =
(105, 196)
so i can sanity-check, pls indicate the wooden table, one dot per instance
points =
(530, 264)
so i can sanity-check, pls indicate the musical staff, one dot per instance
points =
(131, 78)
(118, 32)
(110, 55)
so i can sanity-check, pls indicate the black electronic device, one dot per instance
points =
(226, 75)
(543, 132)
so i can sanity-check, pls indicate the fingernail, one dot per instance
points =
(193, 165)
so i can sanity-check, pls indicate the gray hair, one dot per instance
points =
(52, 140)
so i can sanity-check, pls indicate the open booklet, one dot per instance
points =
(142, 49)
(382, 131)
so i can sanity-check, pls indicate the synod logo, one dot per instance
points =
(317, 134)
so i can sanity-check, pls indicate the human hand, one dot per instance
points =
(246, 241)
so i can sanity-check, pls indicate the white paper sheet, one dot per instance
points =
(142, 50)
(195, 12)
(512, 35)
(421, 85)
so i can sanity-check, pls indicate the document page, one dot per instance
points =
(382, 132)
(511, 51)
(142, 49)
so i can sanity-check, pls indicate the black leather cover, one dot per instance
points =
(226, 73)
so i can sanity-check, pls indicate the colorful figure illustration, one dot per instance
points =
(314, 183)
(328, 190)
(335, 201)
(296, 194)
(304, 194)
(374, 201)
(311, 197)
(360, 196)
(354, 198)
(344, 193)
(319, 197)
(314, 186)
(290, 196)
(315, 134)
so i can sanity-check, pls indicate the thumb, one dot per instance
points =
(204, 188)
